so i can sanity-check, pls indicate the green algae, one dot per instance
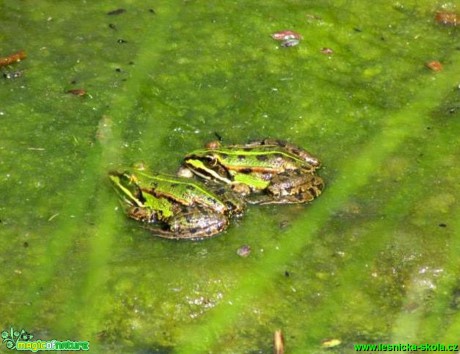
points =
(372, 260)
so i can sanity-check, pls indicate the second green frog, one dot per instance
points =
(266, 171)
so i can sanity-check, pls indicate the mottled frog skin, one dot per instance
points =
(265, 172)
(174, 207)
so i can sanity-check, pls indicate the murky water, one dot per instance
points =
(373, 260)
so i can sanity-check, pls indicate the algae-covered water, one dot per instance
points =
(373, 260)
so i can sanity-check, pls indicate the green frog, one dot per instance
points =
(265, 172)
(174, 207)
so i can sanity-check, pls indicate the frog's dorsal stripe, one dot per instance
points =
(191, 192)
(263, 151)
(261, 160)
(201, 170)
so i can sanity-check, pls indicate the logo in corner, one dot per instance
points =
(12, 337)
(21, 340)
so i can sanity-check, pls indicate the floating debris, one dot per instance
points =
(290, 42)
(278, 342)
(434, 65)
(12, 58)
(243, 251)
(286, 34)
(327, 51)
(53, 216)
(331, 343)
(116, 12)
(77, 92)
(288, 38)
(447, 18)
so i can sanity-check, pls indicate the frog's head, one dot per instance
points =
(125, 183)
(205, 164)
